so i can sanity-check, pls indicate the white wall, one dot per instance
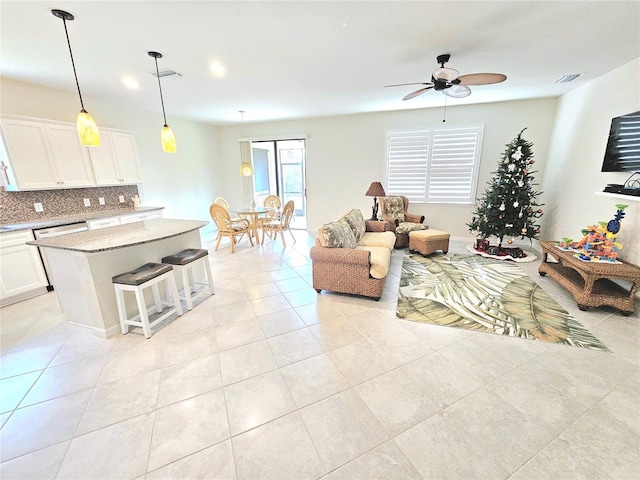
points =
(346, 153)
(576, 153)
(184, 182)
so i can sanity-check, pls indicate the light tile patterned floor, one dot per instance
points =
(268, 379)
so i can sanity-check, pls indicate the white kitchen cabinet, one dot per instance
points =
(139, 217)
(44, 155)
(21, 271)
(71, 157)
(115, 161)
(123, 219)
(103, 223)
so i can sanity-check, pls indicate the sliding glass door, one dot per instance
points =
(280, 170)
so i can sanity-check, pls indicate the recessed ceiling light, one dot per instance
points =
(217, 69)
(131, 83)
(567, 78)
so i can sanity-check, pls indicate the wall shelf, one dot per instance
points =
(619, 196)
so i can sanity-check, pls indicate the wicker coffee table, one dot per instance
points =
(591, 283)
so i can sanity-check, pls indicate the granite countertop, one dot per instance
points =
(68, 219)
(121, 236)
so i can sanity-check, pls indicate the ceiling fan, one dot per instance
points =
(450, 82)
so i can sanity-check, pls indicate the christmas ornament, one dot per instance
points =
(515, 204)
(520, 183)
(511, 167)
(517, 154)
(502, 207)
(524, 230)
(510, 241)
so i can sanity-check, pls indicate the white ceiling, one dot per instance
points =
(295, 59)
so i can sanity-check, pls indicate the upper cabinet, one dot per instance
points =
(115, 161)
(44, 155)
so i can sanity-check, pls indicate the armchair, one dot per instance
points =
(398, 220)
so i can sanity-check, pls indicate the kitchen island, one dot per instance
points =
(82, 265)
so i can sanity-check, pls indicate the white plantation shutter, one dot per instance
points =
(436, 165)
(408, 162)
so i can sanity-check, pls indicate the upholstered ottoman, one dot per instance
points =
(428, 241)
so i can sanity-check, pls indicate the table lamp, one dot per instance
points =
(375, 190)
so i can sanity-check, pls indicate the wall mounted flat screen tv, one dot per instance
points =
(623, 146)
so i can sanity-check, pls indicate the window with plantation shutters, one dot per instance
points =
(434, 165)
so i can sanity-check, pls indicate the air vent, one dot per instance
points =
(562, 79)
(166, 73)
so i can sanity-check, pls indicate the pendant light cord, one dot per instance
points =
(73, 64)
(160, 87)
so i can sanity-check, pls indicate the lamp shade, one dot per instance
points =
(246, 169)
(168, 140)
(87, 130)
(375, 190)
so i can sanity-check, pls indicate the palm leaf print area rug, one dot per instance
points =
(477, 293)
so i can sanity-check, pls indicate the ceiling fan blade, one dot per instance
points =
(481, 78)
(420, 91)
(404, 84)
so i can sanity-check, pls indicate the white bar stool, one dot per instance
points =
(148, 275)
(182, 263)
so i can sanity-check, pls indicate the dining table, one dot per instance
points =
(253, 215)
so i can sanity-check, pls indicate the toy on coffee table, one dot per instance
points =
(598, 242)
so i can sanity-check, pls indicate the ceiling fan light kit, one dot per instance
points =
(450, 82)
(443, 73)
(457, 91)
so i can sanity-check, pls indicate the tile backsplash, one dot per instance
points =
(18, 207)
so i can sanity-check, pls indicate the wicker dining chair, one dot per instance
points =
(221, 201)
(281, 224)
(234, 229)
(273, 203)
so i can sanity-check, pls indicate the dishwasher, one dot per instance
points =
(56, 232)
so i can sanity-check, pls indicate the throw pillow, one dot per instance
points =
(394, 208)
(356, 221)
(406, 227)
(337, 234)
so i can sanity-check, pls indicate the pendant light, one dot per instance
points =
(87, 129)
(167, 138)
(246, 169)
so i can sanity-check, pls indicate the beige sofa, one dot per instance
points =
(349, 259)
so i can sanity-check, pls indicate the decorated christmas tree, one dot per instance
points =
(508, 207)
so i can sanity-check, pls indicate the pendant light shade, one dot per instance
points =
(87, 129)
(167, 138)
(246, 170)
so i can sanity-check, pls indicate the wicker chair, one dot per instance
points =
(234, 229)
(273, 203)
(398, 220)
(222, 202)
(281, 224)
